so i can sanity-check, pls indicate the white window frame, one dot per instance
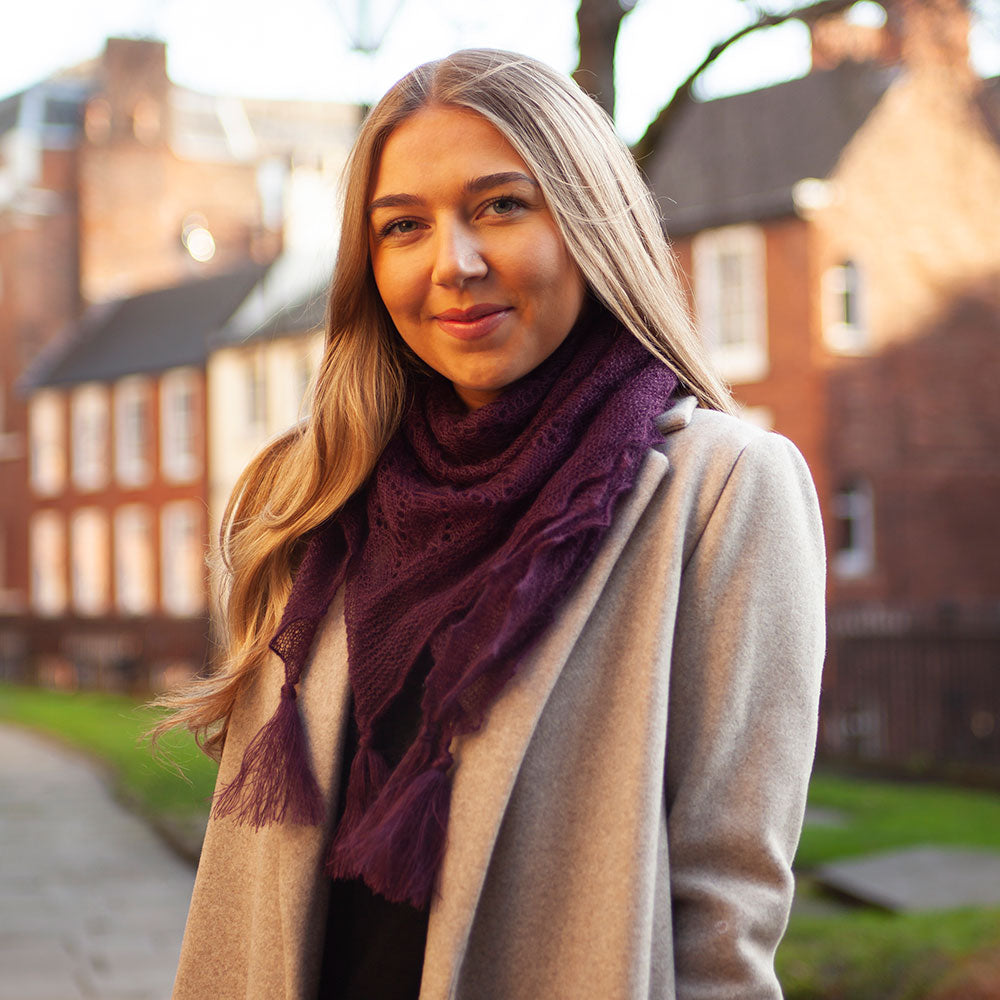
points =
(47, 546)
(179, 426)
(89, 444)
(133, 462)
(134, 552)
(182, 559)
(47, 440)
(303, 377)
(855, 503)
(90, 578)
(733, 323)
(844, 288)
(255, 391)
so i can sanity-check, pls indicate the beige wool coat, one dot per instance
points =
(623, 824)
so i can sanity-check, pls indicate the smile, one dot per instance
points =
(474, 323)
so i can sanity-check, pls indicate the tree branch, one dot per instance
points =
(667, 115)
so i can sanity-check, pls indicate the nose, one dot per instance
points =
(458, 256)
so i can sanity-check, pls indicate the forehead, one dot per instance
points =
(438, 145)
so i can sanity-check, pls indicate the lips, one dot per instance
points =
(472, 323)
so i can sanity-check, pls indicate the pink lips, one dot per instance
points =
(473, 323)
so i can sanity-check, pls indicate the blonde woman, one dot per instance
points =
(524, 627)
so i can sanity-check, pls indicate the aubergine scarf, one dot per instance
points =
(455, 559)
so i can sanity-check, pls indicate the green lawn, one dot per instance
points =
(845, 954)
(112, 728)
(881, 815)
(863, 954)
(868, 955)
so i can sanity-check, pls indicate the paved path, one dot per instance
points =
(918, 879)
(92, 904)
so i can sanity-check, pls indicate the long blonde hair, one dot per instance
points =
(609, 220)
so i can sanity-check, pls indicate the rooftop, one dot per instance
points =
(739, 158)
(147, 333)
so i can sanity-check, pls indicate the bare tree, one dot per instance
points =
(665, 117)
(599, 22)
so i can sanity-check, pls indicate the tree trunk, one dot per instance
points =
(598, 23)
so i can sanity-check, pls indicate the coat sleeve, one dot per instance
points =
(745, 676)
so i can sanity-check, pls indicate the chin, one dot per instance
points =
(485, 384)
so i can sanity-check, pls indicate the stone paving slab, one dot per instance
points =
(92, 903)
(918, 878)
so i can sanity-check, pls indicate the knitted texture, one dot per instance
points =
(473, 529)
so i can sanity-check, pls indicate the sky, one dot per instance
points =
(302, 48)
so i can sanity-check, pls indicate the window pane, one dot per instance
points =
(48, 563)
(89, 565)
(182, 555)
(132, 443)
(134, 582)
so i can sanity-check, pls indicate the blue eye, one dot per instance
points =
(504, 205)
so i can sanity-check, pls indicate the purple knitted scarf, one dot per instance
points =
(473, 529)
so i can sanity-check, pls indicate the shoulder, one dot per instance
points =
(710, 439)
(719, 462)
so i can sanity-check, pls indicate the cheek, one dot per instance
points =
(397, 286)
(560, 296)
(549, 272)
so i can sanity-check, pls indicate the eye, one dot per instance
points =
(504, 205)
(398, 227)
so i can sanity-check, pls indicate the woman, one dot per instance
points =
(524, 630)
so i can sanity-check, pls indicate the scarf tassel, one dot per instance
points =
(275, 779)
(397, 847)
(369, 773)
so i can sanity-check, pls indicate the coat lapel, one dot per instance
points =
(487, 762)
(303, 887)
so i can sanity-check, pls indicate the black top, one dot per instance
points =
(374, 949)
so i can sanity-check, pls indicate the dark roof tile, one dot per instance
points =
(10, 112)
(738, 158)
(989, 103)
(304, 315)
(147, 333)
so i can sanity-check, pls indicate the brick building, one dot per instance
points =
(39, 294)
(840, 236)
(117, 529)
(260, 367)
(115, 182)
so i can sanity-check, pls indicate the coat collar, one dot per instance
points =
(487, 761)
(678, 416)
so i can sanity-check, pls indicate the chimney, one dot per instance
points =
(934, 34)
(836, 40)
(135, 89)
(922, 34)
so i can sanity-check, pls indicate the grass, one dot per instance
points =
(864, 954)
(868, 955)
(881, 815)
(843, 954)
(112, 729)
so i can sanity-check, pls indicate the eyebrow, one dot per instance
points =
(473, 186)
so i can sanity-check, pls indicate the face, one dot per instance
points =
(466, 254)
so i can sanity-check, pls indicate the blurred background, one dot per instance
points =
(829, 174)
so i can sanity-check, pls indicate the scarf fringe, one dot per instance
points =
(397, 847)
(275, 779)
(369, 773)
